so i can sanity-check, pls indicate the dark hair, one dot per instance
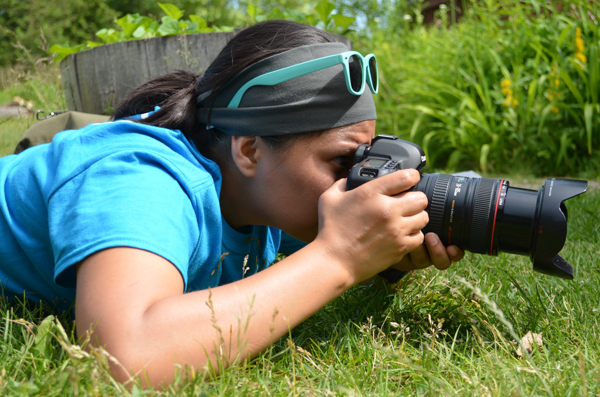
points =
(176, 93)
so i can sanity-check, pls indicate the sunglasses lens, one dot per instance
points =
(356, 72)
(374, 73)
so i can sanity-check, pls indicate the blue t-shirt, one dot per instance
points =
(119, 184)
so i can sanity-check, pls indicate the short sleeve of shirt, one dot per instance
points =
(125, 199)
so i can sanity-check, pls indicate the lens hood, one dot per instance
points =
(551, 226)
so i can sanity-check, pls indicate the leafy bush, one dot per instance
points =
(321, 15)
(135, 26)
(30, 24)
(516, 82)
(222, 12)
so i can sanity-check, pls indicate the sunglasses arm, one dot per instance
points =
(291, 72)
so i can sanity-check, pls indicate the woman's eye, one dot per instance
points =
(343, 161)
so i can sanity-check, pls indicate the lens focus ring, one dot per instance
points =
(481, 216)
(438, 203)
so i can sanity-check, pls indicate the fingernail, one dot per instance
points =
(452, 251)
(432, 239)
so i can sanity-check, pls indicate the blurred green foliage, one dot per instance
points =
(323, 15)
(151, 7)
(136, 26)
(514, 84)
(26, 27)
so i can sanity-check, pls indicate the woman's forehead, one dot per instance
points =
(358, 133)
(342, 140)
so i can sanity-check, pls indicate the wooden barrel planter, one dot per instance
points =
(98, 79)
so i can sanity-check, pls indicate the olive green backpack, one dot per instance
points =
(44, 130)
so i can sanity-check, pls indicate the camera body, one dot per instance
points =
(386, 154)
(481, 215)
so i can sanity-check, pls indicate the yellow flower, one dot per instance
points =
(579, 44)
(509, 101)
(554, 77)
(581, 58)
(579, 48)
(552, 93)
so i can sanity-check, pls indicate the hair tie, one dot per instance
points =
(197, 82)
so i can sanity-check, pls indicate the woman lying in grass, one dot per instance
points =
(160, 226)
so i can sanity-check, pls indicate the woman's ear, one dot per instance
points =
(246, 152)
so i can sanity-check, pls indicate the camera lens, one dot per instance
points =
(465, 211)
(486, 216)
(482, 215)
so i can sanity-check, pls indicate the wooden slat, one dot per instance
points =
(105, 80)
(70, 84)
(88, 85)
(129, 61)
(205, 47)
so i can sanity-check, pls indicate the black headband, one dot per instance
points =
(313, 102)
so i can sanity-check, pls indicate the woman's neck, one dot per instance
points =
(236, 200)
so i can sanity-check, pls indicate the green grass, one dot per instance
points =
(437, 333)
(42, 86)
(10, 133)
(373, 341)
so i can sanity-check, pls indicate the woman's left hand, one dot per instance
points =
(432, 253)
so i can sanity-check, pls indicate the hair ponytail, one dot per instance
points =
(176, 93)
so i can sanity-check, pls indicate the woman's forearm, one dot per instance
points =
(241, 319)
(228, 323)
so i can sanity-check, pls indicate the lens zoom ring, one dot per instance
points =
(437, 204)
(481, 216)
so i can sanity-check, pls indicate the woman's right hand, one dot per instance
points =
(373, 226)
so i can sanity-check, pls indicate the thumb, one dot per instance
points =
(338, 186)
(334, 192)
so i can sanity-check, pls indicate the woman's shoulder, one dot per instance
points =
(117, 135)
(122, 142)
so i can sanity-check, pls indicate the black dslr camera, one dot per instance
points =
(481, 215)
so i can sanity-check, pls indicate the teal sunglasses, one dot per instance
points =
(358, 71)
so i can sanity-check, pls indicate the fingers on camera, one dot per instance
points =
(420, 257)
(437, 252)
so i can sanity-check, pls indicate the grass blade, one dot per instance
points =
(588, 112)
(567, 79)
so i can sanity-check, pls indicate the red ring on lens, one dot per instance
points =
(495, 213)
